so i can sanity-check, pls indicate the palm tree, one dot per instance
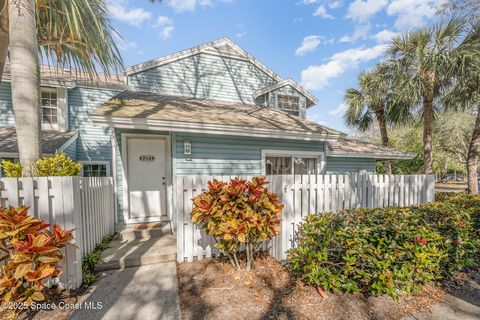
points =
(25, 77)
(423, 58)
(369, 102)
(465, 95)
(71, 33)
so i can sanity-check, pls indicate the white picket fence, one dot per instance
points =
(301, 196)
(83, 204)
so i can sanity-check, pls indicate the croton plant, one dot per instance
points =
(239, 215)
(31, 252)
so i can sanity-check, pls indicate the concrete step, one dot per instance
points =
(130, 233)
(138, 247)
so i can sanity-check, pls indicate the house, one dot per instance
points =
(209, 110)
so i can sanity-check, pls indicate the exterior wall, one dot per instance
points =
(349, 165)
(93, 142)
(229, 155)
(6, 110)
(204, 76)
(71, 150)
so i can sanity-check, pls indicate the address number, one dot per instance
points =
(147, 158)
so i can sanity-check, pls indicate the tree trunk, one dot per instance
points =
(25, 73)
(472, 158)
(3, 36)
(383, 133)
(427, 135)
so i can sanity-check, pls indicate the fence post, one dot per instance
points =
(430, 188)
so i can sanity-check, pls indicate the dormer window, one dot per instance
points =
(49, 103)
(289, 103)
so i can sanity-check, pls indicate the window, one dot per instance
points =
(289, 104)
(278, 163)
(49, 106)
(96, 169)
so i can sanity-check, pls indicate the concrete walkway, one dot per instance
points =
(138, 279)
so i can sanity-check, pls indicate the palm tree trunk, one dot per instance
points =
(427, 135)
(379, 113)
(3, 36)
(472, 158)
(25, 73)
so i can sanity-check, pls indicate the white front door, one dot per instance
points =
(147, 180)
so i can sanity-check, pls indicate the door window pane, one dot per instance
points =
(278, 165)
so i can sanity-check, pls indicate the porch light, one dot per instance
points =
(187, 148)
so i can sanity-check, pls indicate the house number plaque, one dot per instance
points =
(146, 158)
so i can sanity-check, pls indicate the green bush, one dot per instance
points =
(57, 165)
(390, 250)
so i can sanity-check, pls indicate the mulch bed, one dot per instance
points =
(213, 289)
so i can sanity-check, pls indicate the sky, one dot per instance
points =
(322, 44)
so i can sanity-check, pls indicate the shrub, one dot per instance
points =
(238, 214)
(58, 165)
(388, 251)
(12, 169)
(89, 261)
(33, 254)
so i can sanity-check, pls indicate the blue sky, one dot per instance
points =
(322, 44)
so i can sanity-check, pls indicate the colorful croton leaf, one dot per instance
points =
(238, 215)
(31, 253)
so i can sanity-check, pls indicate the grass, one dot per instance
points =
(90, 260)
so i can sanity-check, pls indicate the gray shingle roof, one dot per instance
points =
(153, 106)
(51, 140)
(54, 76)
(352, 146)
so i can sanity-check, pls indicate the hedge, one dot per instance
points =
(391, 251)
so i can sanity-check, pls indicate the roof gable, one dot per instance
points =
(222, 47)
(283, 83)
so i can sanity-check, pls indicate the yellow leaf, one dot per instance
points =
(38, 296)
(21, 270)
(241, 237)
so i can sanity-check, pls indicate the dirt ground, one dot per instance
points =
(210, 289)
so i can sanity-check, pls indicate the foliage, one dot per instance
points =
(89, 261)
(58, 165)
(238, 214)
(389, 250)
(33, 253)
(12, 169)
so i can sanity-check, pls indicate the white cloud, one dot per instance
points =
(384, 36)
(241, 34)
(335, 4)
(339, 110)
(322, 13)
(362, 10)
(309, 44)
(134, 16)
(361, 32)
(315, 77)
(190, 5)
(413, 13)
(309, 1)
(165, 24)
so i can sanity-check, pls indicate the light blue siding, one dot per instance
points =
(230, 155)
(93, 142)
(6, 110)
(204, 76)
(349, 165)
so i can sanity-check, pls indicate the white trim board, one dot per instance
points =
(178, 126)
(291, 153)
(168, 168)
(376, 156)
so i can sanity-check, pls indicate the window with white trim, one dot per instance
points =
(49, 104)
(285, 164)
(289, 103)
(96, 169)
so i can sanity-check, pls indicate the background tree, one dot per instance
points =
(423, 60)
(468, 9)
(368, 103)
